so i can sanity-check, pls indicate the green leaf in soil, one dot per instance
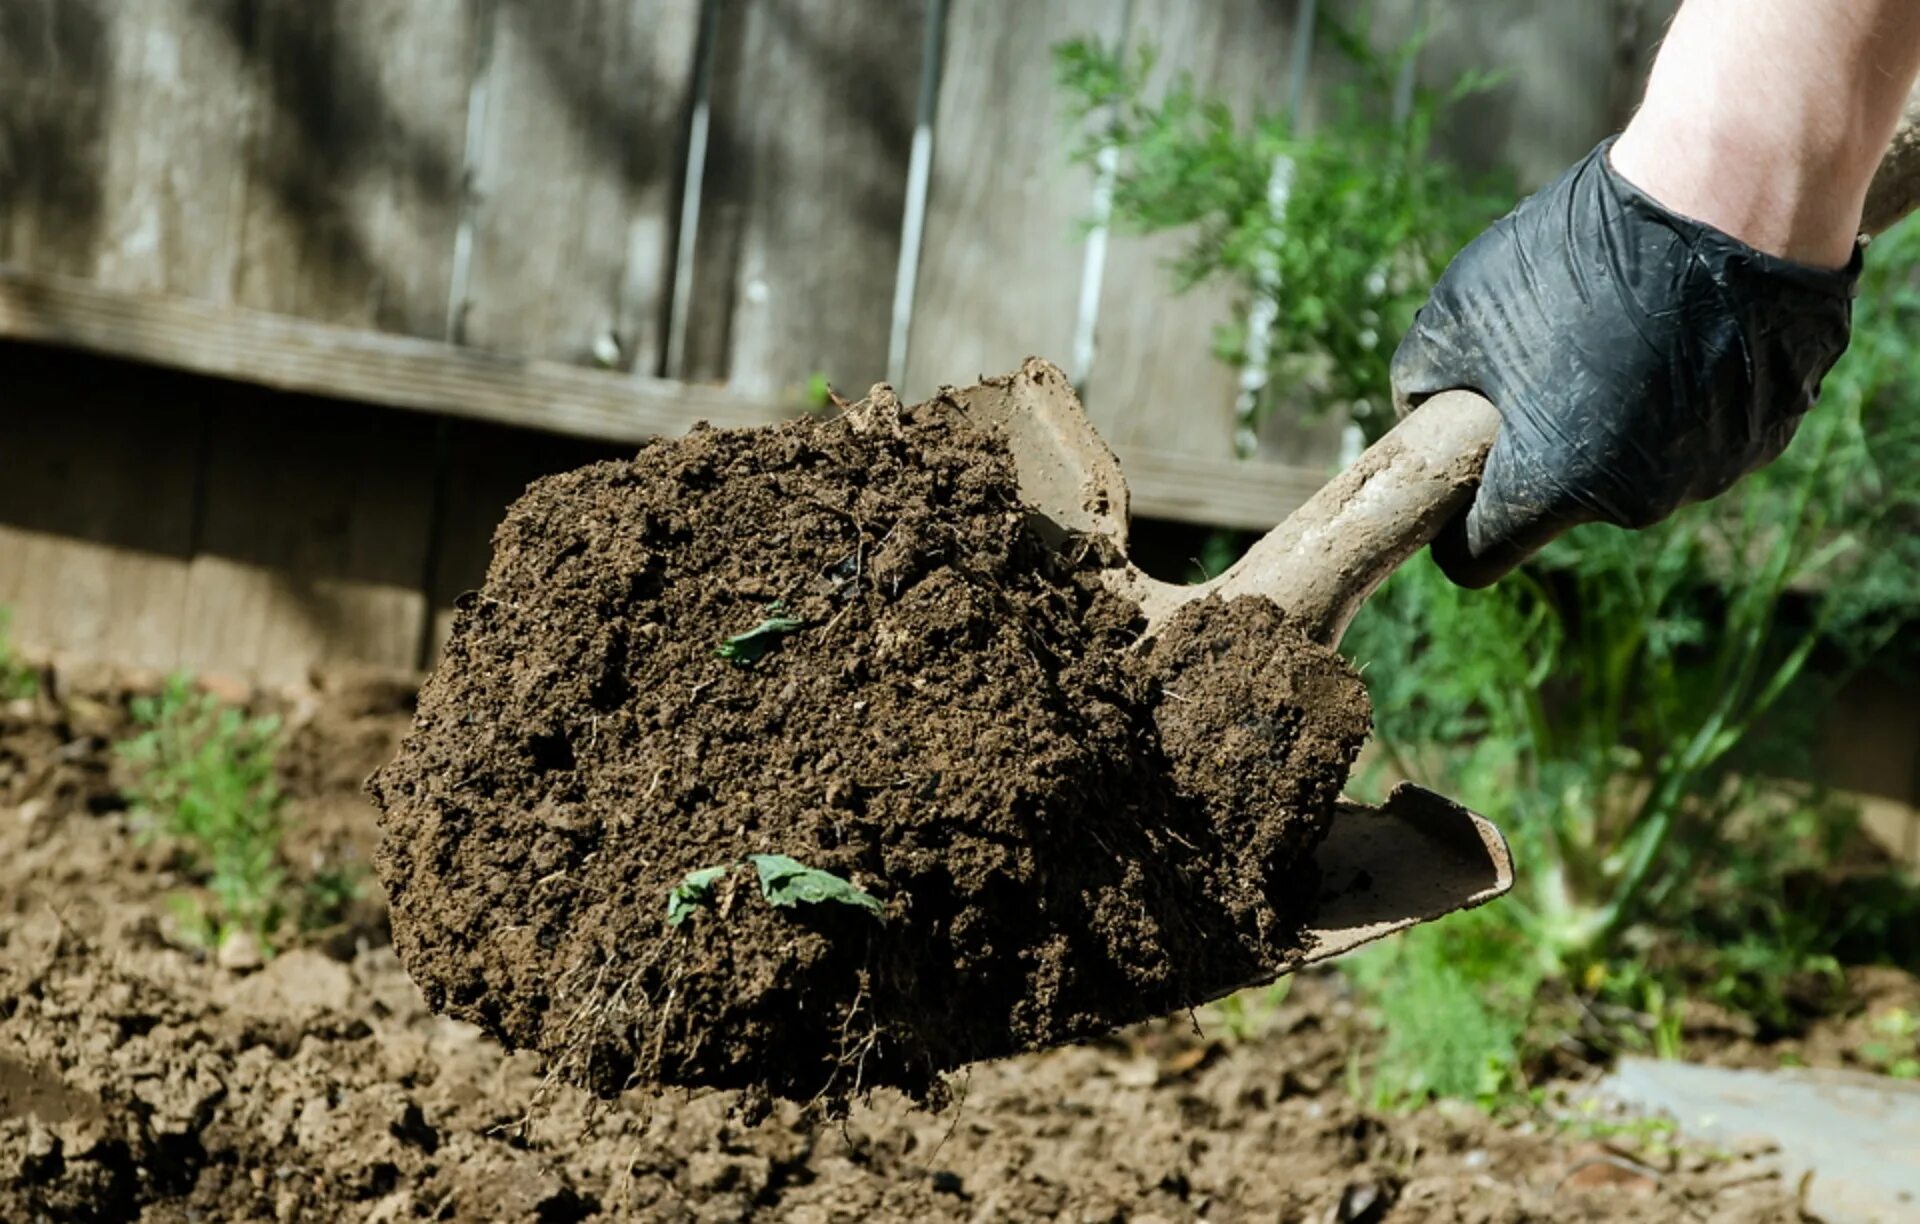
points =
(694, 890)
(746, 649)
(789, 882)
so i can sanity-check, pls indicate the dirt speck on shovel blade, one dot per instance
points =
(839, 642)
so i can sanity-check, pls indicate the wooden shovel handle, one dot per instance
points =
(1331, 553)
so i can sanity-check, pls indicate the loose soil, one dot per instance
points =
(1065, 834)
(140, 1080)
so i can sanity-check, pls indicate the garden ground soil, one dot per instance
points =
(1063, 834)
(140, 1080)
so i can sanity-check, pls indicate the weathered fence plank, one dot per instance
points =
(1555, 100)
(313, 531)
(292, 354)
(96, 505)
(800, 224)
(1155, 382)
(312, 541)
(353, 158)
(174, 178)
(55, 79)
(1000, 274)
(579, 158)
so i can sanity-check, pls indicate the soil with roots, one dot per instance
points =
(1050, 832)
(140, 1079)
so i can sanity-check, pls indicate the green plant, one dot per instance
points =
(788, 882)
(17, 680)
(1249, 1013)
(1895, 1047)
(746, 649)
(204, 775)
(694, 890)
(818, 395)
(785, 882)
(1453, 999)
(1339, 230)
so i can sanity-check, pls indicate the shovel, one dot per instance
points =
(1417, 856)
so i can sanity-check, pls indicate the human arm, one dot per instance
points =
(1767, 118)
(1653, 324)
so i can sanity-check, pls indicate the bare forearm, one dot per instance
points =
(1766, 118)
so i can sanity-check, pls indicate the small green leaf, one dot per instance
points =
(746, 649)
(788, 882)
(819, 391)
(694, 890)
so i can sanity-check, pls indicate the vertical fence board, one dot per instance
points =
(313, 537)
(354, 159)
(315, 524)
(96, 505)
(1000, 274)
(573, 231)
(800, 227)
(174, 183)
(1155, 382)
(54, 85)
(1555, 101)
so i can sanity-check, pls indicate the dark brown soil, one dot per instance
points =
(140, 1080)
(957, 726)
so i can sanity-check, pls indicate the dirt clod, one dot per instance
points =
(842, 642)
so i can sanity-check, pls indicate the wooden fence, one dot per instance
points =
(350, 272)
(296, 295)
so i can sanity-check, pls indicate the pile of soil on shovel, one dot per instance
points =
(1062, 835)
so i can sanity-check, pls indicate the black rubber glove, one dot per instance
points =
(1640, 361)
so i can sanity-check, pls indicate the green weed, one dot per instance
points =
(1249, 1014)
(694, 890)
(204, 775)
(1895, 1047)
(1453, 999)
(746, 649)
(17, 680)
(818, 395)
(1343, 256)
(788, 882)
(784, 882)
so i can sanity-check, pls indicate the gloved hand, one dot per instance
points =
(1640, 361)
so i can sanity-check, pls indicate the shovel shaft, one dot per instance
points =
(1322, 563)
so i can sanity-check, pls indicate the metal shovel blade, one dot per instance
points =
(1416, 857)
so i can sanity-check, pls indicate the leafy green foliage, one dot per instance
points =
(818, 395)
(788, 882)
(17, 680)
(1895, 1047)
(1453, 998)
(694, 890)
(1342, 229)
(1626, 706)
(204, 774)
(746, 649)
(784, 881)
